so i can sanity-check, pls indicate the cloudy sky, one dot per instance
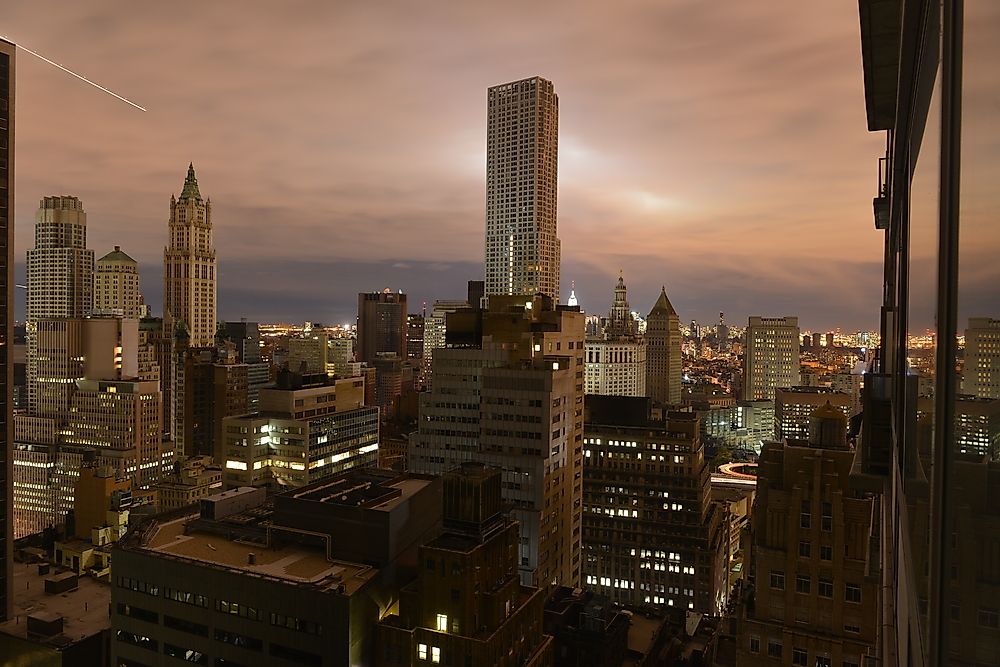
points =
(719, 149)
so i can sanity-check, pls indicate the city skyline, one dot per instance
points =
(402, 202)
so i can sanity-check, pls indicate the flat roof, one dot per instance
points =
(293, 564)
(84, 610)
(371, 489)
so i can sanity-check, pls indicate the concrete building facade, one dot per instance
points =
(770, 356)
(663, 352)
(522, 155)
(116, 286)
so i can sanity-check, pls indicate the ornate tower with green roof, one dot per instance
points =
(189, 291)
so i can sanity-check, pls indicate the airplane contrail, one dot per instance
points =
(71, 72)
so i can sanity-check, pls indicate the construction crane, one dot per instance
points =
(72, 73)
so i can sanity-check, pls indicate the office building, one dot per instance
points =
(981, 370)
(770, 356)
(60, 275)
(511, 396)
(245, 336)
(190, 480)
(663, 352)
(616, 361)
(209, 385)
(436, 324)
(793, 407)
(851, 384)
(6, 320)
(302, 580)
(415, 337)
(381, 324)
(445, 616)
(308, 427)
(522, 154)
(189, 281)
(652, 537)
(116, 286)
(308, 355)
(340, 357)
(814, 599)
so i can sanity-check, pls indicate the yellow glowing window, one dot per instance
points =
(422, 651)
(435, 654)
(442, 623)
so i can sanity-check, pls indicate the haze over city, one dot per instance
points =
(716, 149)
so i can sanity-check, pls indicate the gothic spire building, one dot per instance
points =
(663, 352)
(189, 288)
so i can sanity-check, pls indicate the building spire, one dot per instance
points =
(190, 190)
(572, 294)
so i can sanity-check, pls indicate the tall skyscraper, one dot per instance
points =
(770, 356)
(511, 396)
(981, 373)
(6, 317)
(189, 288)
(522, 150)
(663, 352)
(60, 274)
(116, 286)
(381, 324)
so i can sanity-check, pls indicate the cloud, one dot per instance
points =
(718, 148)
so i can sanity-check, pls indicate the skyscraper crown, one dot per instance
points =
(190, 190)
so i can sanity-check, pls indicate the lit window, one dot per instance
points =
(422, 651)
(435, 654)
(442, 623)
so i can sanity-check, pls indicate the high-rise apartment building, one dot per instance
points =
(814, 599)
(6, 319)
(616, 360)
(209, 385)
(652, 537)
(663, 352)
(116, 286)
(770, 356)
(60, 274)
(381, 324)
(444, 617)
(189, 279)
(512, 397)
(522, 151)
(981, 372)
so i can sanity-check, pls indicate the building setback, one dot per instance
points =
(511, 396)
(444, 616)
(814, 596)
(652, 537)
(189, 281)
(522, 155)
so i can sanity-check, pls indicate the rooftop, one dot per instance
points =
(370, 489)
(84, 609)
(292, 563)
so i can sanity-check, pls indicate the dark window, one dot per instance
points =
(754, 644)
(826, 553)
(803, 583)
(988, 618)
(185, 625)
(825, 588)
(800, 657)
(296, 623)
(827, 519)
(852, 593)
(138, 613)
(251, 643)
(295, 655)
(823, 661)
(805, 549)
(778, 580)
(773, 649)
(805, 515)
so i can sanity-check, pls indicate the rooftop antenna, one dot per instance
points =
(72, 73)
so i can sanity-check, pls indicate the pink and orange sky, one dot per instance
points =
(720, 149)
